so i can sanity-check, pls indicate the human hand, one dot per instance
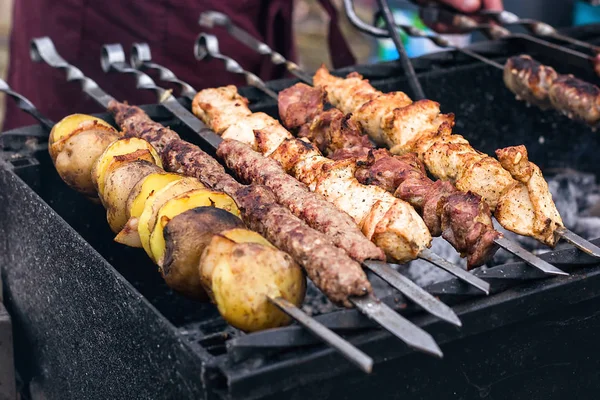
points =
(469, 6)
(463, 6)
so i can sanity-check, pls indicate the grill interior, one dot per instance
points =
(487, 115)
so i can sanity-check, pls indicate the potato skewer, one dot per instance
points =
(197, 240)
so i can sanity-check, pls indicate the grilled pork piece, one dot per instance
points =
(438, 203)
(576, 99)
(390, 223)
(451, 157)
(336, 274)
(320, 214)
(529, 80)
(543, 86)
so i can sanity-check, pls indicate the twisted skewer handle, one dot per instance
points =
(42, 49)
(210, 19)
(141, 58)
(24, 104)
(113, 58)
(207, 47)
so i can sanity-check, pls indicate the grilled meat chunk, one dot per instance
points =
(296, 109)
(543, 86)
(547, 219)
(336, 274)
(529, 80)
(231, 106)
(320, 214)
(451, 157)
(576, 99)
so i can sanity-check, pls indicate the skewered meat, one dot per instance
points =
(250, 166)
(451, 157)
(529, 80)
(445, 211)
(337, 275)
(390, 223)
(543, 86)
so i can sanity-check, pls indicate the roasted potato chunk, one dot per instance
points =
(155, 201)
(239, 278)
(181, 203)
(119, 148)
(135, 204)
(78, 155)
(73, 125)
(124, 174)
(186, 237)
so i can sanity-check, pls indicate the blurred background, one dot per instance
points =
(310, 27)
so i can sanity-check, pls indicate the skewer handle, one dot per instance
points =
(210, 19)
(24, 104)
(43, 49)
(207, 47)
(141, 58)
(113, 58)
(409, 70)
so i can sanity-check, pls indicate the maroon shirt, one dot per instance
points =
(79, 28)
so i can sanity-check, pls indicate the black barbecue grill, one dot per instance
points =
(93, 318)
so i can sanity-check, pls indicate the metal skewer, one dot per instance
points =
(528, 257)
(435, 13)
(536, 27)
(42, 49)
(24, 104)
(210, 19)
(409, 70)
(207, 45)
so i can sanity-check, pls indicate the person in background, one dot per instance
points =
(79, 28)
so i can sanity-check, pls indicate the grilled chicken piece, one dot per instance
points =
(219, 108)
(451, 157)
(543, 86)
(329, 267)
(533, 194)
(576, 99)
(258, 130)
